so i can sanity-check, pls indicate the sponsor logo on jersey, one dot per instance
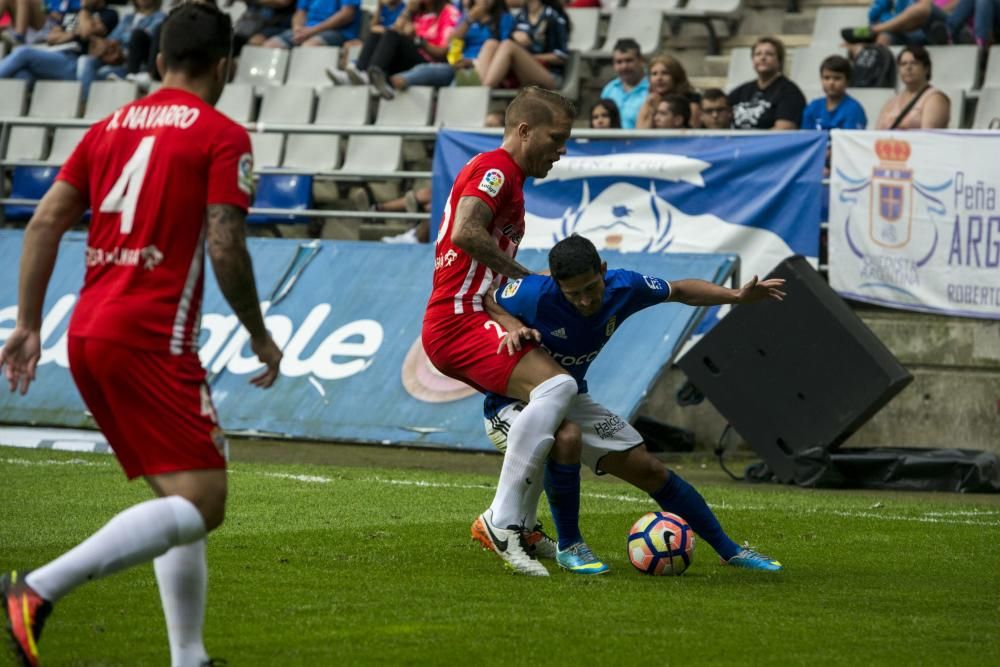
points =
(654, 283)
(511, 289)
(569, 360)
(492, 182)
(610, 329)
(445, 260)
(244, 175)
(151, 257)
(559, 333)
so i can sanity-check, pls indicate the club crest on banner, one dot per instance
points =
(890, 220)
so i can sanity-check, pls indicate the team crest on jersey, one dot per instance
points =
(511, 289)
(654, 283)
(492, 182)
(610, 328)
(244, 175)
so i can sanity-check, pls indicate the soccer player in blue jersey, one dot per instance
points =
(573, 313)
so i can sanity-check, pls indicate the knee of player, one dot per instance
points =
(568, 444)
(561, 387)
(211, 502)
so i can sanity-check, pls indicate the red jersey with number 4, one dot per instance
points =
(459, 280)
(149, 171)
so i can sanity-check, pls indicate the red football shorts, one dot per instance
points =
(464, 347)
(154, 408)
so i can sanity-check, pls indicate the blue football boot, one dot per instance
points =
(750, 559)
(578, 558)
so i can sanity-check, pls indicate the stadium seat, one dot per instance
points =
(373, 154)
(288, 191)
(107, 96)
(287, 104)
(992, 78)
(13, 97)
(261, 66)
(306, 66)
(661, 5)
(957, 62)
(409, 107)
(235, 9)
(25, 144)
(462, 106)
(957, 97)
(831, 20)
(707, 12)
(987, 109)
(636, 24)
(237, 102)
(312, 152)
(267, 148)
(344, 105)
(872, 100)
(28, 183)
(740, 67)
(64, 140)
(585, 23)
(55, 99)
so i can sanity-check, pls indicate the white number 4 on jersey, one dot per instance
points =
(124, 194)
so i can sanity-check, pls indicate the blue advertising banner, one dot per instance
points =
(755, 195)
(348, 317)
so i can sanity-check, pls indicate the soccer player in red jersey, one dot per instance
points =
(162, 175)
(482, 226)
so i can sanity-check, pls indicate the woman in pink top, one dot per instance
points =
(419, 35)
(932, 109)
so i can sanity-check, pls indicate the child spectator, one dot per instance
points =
(604, 115)
(838, 109)
(672, 113)
(715, 111)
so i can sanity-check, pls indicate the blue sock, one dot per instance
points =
(679, 497)
(562, 488)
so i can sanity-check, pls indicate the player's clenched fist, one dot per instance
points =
(270, 355)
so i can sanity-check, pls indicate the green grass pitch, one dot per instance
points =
(323, 565)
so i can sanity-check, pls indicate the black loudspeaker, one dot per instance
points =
(792, 375)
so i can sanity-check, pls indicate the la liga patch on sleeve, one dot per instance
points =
(492, 182)
(244, 175)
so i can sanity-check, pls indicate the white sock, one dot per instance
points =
(182, 575)
(137, 535)
(528, 444)
(531, 498)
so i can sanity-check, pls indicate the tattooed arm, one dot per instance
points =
(227, 249)
(471, 234)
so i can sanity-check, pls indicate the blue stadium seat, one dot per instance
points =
(286, 191)
(28, 183)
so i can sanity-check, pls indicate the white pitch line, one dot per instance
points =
(53, 462)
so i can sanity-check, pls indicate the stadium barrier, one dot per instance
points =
(914, 222)
(348, 317)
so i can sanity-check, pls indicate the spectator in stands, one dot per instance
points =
(537, 50)
(320, 23)
(385, 15)
(630, 88)
(667, 77)
(604, 115)
(494, 119)
(919, 105)
(715, 111)
(985, 16)
(672, 113)
(58, 60)
(771, 101)
(901, 22)
(420, 35)
(838, 109)
(31, 20)
(484, 24)
(262, 20)
(107, 58)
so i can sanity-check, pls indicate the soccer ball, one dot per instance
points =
(660, 543)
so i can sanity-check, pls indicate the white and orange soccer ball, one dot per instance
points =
(661, 543)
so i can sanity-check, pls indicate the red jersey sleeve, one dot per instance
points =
(230, 175)
(491, 182)
(76, 169)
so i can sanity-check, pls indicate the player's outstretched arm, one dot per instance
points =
(227, 248)
(61, 207)
(471, 234)
(695, 292)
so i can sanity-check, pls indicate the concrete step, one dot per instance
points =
(706, 82)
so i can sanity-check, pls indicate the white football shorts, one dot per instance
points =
(603, 431)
